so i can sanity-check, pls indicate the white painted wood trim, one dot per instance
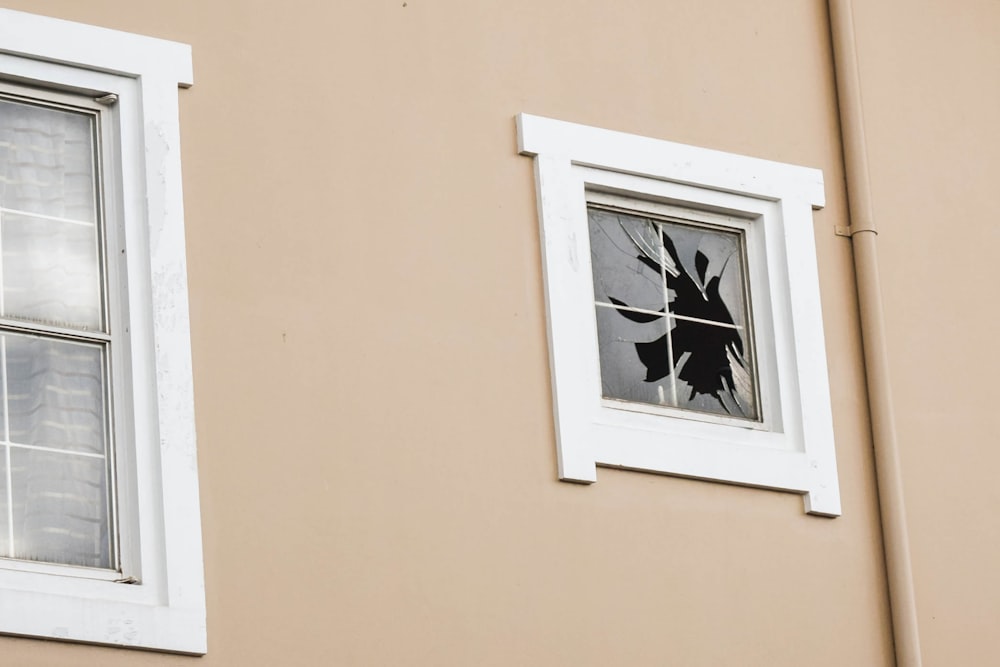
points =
(91, 47)
(166, 609)
(795, 452)
(656, 158)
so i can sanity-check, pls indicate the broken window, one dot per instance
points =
(672, 313)
(684, 321)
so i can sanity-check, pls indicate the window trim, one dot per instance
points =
(165, 609)
(796, 453)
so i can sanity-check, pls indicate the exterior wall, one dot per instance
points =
(935, 156)
(377, 462)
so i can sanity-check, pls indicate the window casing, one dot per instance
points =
(148, 589)
(785, 441)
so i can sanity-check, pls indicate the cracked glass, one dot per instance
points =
(672, 313)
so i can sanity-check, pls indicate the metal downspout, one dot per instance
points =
(899, 573)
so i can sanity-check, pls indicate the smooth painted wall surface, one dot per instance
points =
(376, 444)
(931, 108)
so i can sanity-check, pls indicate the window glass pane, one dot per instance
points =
(619, 271)
(4, 507)
(50, 271)
(60, 510)
(55, 393)
(705, 364)
(47, 161)
(709, 284)
(626, 347)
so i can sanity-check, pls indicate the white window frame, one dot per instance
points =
(794, 450)
(162, 606)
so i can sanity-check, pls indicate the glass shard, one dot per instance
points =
(618, 273)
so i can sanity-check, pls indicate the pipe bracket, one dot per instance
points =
(850, 231)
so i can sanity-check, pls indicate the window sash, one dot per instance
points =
(624, 256)
(111, 336)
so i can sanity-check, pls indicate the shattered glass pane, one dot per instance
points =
(705, 362)
(617, 337)
(617, 271)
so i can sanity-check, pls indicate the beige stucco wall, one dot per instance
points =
(932, 105)
(374, 418)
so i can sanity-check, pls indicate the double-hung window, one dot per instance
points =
(60, 333)
(100, 534)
